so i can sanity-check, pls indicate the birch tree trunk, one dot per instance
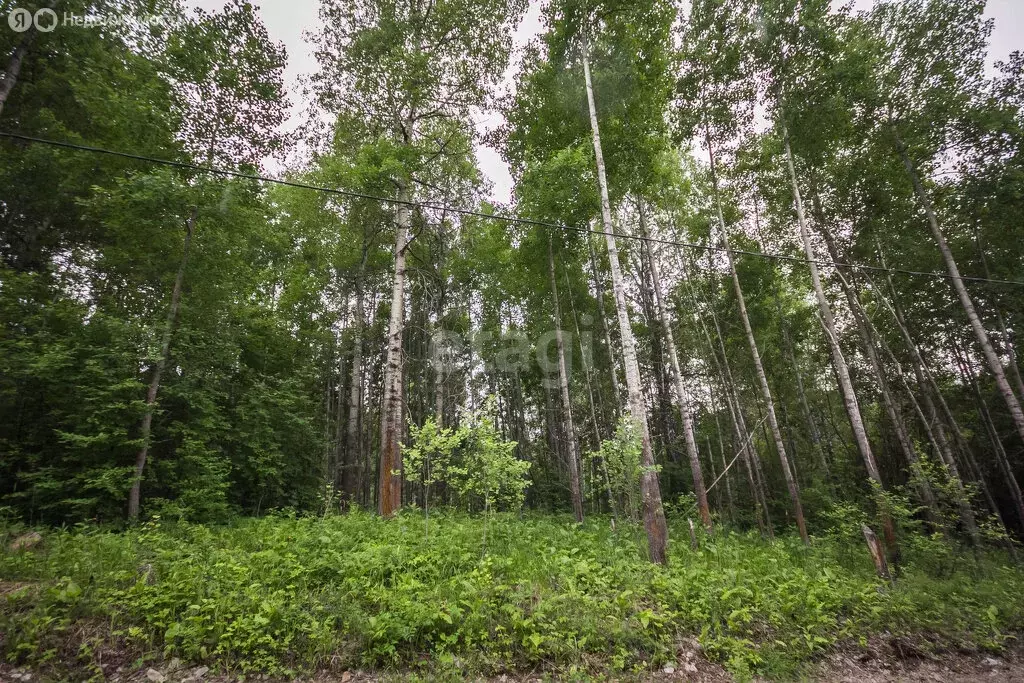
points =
(1008, 340)
(572, 446)
(994, 363)
(927, 386)
(1011, 350)
(869, 342)
(682, 396)
(714, 476)
(135, 494)
(389, 488)
(599, 293)
(850, 402)
(338, 446)
(584, 358)
(595, 426)
(439, 394)
(937, 437)
(1001, 458)
(753, 460)
(812, 424)
(842, 370)
(353, 441)
(762, 378)
(743, 435)
(13, 68)
(965, 447)
(739, 426)
(650, 491)
(725, 469)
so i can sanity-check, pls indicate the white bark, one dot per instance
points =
(13, 68)
(994, 363)
(599, 292)
(762, 378)
(682, 396)
(353, 452)
(654, 514)
(389, 490)
(853, 413)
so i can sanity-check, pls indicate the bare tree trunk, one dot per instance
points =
(335, 391)
(743, 435)
(725, 468)
(329, 401)
(13, 68)
(135, 494)
(739, 424)
(353, 446)
(850, 402)
(585, 359)
(586, 365)
(657, 387)
(650, 491)
(389, 491)
(753, 462)
(762, 378)
(968, 453)
(682, 396)
(339, 446)
(928, 416)
(994, 364)
(936, 435)
(1011, 349)
(928, 385)
(439, 392)
(714, 475)
(572, 446)
(812, 424)
(966, 449)
(1001, 459)
(869, 342)
(599, 293)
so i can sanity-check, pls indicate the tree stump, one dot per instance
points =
(877, 553)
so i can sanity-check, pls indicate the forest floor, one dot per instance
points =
(854, 665)
(502, 598)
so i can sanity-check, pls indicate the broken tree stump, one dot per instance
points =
(877, 553)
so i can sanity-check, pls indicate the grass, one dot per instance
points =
(283, 594)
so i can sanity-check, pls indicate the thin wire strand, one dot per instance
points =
(492, 216)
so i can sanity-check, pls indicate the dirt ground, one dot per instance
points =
(874, 664)
(866, 667)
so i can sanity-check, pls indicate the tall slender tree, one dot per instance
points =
(444, 61)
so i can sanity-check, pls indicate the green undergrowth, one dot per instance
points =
(282, 594)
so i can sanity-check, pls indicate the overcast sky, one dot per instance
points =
(286, 20)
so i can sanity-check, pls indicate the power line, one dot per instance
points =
(492, 216)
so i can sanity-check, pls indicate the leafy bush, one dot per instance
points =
(619, 458)
(473, 460)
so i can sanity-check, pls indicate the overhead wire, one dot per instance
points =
(492, 216)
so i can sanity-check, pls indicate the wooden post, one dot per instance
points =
(877, 554)
(693, 535)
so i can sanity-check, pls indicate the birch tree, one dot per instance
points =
(417, 69)
(715, 94)
(920, 99)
